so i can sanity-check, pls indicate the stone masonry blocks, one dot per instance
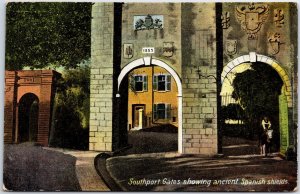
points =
(199, 97)
(101, 77)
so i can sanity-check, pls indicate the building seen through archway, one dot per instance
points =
(152, 98)
(150, 90)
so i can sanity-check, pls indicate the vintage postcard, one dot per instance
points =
(148, 96)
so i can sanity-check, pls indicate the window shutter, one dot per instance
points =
(145, 83)
(132, 83)
(155, 82)
(168, 83)
(168, 111)
(154, 111)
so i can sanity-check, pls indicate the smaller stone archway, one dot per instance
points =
(148, 61)
(22, 88)
(285, 99)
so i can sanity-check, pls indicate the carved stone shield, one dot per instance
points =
(128, 51)
(274, 43)
(273, 48)
(231, 47)
(252, 20)
(168, 49)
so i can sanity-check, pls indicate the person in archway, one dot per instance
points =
(265, 136)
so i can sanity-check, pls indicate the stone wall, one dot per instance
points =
(264, 43)
(170, 33)
(199, 92)
(101, 97)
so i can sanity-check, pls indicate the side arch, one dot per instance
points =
(253, 57)
(26, 92)
(27, 123)
(148, 61)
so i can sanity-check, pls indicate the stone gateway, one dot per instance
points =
(199, 45)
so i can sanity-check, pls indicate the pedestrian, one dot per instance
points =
(265, 136)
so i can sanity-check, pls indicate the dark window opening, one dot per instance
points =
(140, 83)
(162, 82)
(162, 111)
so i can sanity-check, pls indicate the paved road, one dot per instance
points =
(238, 173)
(31, 168)
(35, 168)
(241, 169)
(85, 170)
(151, 142)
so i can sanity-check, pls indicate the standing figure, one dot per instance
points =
(265, 136)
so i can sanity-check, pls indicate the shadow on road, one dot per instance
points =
(31, 168)
(234, 146)
(151, 140)
(243, 165)
(172, 172)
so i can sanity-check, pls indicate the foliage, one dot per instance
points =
(233, 111)
(47, 34)
(257, 91)
(71, 111)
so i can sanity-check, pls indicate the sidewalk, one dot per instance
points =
(86, 173)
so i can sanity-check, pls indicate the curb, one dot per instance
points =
(100, 166)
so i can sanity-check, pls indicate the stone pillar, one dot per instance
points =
(199, 85)
(199, 114)
(45, 109)
(9, 107)
(101, 97)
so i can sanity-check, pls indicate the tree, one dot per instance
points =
(257, 91)
(70, 127)
(233, 111)
(47, 34)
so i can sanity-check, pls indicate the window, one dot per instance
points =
(161, 111)
(140, 83)
(162, 82)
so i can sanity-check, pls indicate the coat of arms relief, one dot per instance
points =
(252, 18)
(148, 22)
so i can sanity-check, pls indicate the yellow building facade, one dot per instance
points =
(152, 98)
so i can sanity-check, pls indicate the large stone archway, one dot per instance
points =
(148, 61)
(40, 83)
(285, 99)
